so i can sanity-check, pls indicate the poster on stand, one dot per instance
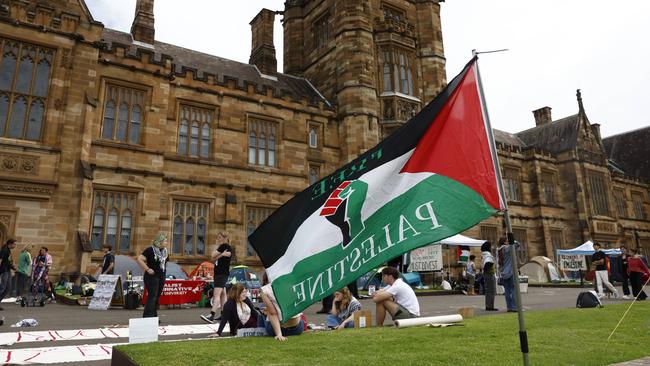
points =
(427, 258)
(572, 262)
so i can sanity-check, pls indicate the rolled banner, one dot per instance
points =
(414, 322)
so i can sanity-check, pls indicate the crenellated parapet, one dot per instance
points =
(176, 63)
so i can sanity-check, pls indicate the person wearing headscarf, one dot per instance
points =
(489, 276)
(153, 261)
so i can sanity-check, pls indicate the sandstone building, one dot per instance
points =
(109, 137)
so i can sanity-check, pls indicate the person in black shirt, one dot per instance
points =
(108, 263)
(599, 260)
(626, 279)
(153, 261)
(6, 265)
(489, 276)
(222, 256)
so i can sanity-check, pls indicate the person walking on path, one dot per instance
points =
(222, 256)
(470, 269)
(599, 260)
(6, 265)
(489, 276)
(153, 261)
(626, 279)
(24, 272)
(638, 273)
(108, 263)
(508, 275)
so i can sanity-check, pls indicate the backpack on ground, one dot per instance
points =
(588, 299)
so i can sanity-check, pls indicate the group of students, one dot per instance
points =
(31, 274)
(633, 270)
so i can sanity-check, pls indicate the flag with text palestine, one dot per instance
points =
(431, 179)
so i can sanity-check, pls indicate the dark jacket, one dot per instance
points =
(229, 315)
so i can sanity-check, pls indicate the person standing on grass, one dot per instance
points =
(398, 298)
(599, 259)
(508, 275)
(222, 256)
(638, 273)
(470, 269)
(489, 276)
(153, 261)
(6, 265)
(626, 279)
(24, 272)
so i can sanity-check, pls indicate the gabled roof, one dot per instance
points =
(630, 151)
(557, 136)
(507, 138)
(222, 68)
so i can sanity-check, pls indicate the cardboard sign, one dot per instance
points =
(251, 332)
(108, 292)
(362, 319)
(572, 262)
(427, 258)
(143, 330)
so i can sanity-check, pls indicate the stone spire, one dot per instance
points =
(142, 29)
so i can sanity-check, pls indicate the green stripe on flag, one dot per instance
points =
(432, 210)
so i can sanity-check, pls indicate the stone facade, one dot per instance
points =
(139, 137)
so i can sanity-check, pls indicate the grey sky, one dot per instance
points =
(556, 47)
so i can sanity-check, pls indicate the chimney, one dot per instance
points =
(142, 29)
(263, 50)
(542, 116)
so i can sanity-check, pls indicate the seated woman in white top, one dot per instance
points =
(293, 326)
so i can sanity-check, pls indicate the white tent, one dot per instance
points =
(462, 240)
(586, 248)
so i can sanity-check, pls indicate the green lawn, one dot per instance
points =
(556, 337)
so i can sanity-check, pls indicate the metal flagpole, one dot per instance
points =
(523, 337)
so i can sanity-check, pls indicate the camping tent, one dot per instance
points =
(204, 269)
(586, 248)
(541, 269)
(462, 240)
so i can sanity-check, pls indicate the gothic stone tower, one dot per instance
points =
(378, 61)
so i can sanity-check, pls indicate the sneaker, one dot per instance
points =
(208, 318)
(625, 297)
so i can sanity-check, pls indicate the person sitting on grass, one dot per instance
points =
(397, 298)
(271, 321)
(238, 311)
(343, 308)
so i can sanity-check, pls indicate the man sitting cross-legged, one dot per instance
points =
(397, 298)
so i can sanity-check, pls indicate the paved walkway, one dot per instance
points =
(640, 362)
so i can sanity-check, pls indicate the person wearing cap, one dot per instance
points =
(153, 261)
(397, 298)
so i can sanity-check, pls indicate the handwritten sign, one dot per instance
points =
(573, 262)
(108, 291)
(427, 258)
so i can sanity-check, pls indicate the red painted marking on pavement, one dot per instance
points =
(8, 357)
(20, 336)
(108, 351)
(36, 355)
(82, 352)
(50, 333)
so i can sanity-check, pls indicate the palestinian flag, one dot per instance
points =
(431, 179)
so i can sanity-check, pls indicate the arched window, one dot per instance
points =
(122, 122)
(8, 69)
(178, 235)
(123, 114)
(261, 150)
(182, 137)
(125, 232)
(42, 78)
(387, 74)
(4, 112)
(314, 174)
(97, 235)
(17, 119)
(196, 122)
(109, 120)
(252, 147)
(205, 140)
(200, 236)
(136, 121)
(271, 150)
(35, 120)
(313, 137)
(190, 228)
(397, 71)
(189, 237)
(111, 228)
(25, 71)
(116, 227)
